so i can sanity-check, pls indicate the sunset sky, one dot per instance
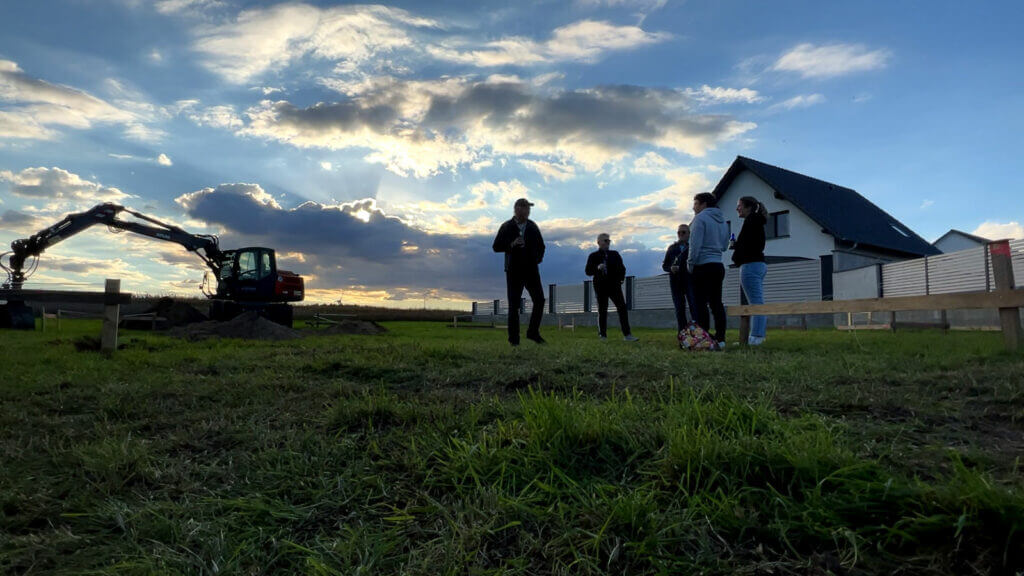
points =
(378, 148)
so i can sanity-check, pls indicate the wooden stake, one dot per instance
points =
(108, 335)
(1002, 270)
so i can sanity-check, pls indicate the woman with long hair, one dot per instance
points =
(748, 254)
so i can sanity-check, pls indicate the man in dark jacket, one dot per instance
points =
(608, 271)
(679, 276)
(520, 240)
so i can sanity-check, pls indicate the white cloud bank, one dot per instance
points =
(999, 230)
(269, 39)
(422, 127)
(35, 109)
(831, 60)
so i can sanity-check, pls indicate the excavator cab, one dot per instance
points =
(251, 275)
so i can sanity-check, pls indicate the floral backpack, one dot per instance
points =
(693, 337)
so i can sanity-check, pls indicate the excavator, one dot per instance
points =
(246, 278)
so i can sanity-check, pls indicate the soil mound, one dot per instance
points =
(177, 313)
(249, 326)
(355, 327)
(172, 313)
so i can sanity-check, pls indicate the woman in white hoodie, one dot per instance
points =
(709, 237)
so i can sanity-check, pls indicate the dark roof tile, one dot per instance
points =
(840, 211)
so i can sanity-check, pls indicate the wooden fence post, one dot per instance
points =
(1002, 270)
(744, 330)
(111, 309)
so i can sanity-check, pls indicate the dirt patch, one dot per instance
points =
(355, 327)
(177, 313)
(249, 326)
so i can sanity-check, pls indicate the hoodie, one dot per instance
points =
(709, 237)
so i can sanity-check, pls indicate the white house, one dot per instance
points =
(955, 240)
(811, 219)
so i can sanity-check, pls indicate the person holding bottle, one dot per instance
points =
(679, 277)
(609, 272)
(520, 240)
(748, 254)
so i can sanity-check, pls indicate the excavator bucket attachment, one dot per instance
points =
(17, 316)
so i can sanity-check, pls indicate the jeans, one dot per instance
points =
(707, 289)
(515, 281)
(752, 281)
(613, 292)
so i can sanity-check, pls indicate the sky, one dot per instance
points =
(377, 148)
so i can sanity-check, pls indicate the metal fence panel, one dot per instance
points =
(903, 278)
(569, 299)
(652, 293)
(731, 287)
(793, 282)
(962, 271)
(1017, 257)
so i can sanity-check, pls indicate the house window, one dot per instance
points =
(777, 226)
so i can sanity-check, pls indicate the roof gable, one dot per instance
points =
(952, 231)
(840, 211)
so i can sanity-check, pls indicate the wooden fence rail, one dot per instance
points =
(1005, 298)
(111, 298)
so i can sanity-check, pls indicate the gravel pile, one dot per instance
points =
(354, 327)
(249, 326)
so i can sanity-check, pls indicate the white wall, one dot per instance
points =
(955, 242)
(806, 240)
(855, 284)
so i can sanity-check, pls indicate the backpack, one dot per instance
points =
(693, 337)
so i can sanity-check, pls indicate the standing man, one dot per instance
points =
(608, 271)
(709, 237)
(679, 277)
(520, 240)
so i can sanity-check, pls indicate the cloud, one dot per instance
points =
(583, 41)
(831, 60)
(551, 170)
(178, 6)
(420, 128)
(223, 116)
(927, 204)
(356, 246)
(21, 222)
(643, 5)
(162, 159)
(37, 108)
(719, 94)
(799, 101)
(999, 230)
(56, 184)
(268, 39)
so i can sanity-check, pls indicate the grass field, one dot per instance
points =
(429, 450)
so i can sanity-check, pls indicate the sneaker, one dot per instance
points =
(536, 338)
(602, 337)
(755, 340)
(630, 338)
(721, 345)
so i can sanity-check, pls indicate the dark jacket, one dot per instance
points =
(749, 245)
(615, 273)
(524, 257)
(676, 254)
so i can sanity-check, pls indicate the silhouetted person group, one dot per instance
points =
(693, 263)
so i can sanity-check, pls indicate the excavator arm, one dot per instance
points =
(204, 245)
